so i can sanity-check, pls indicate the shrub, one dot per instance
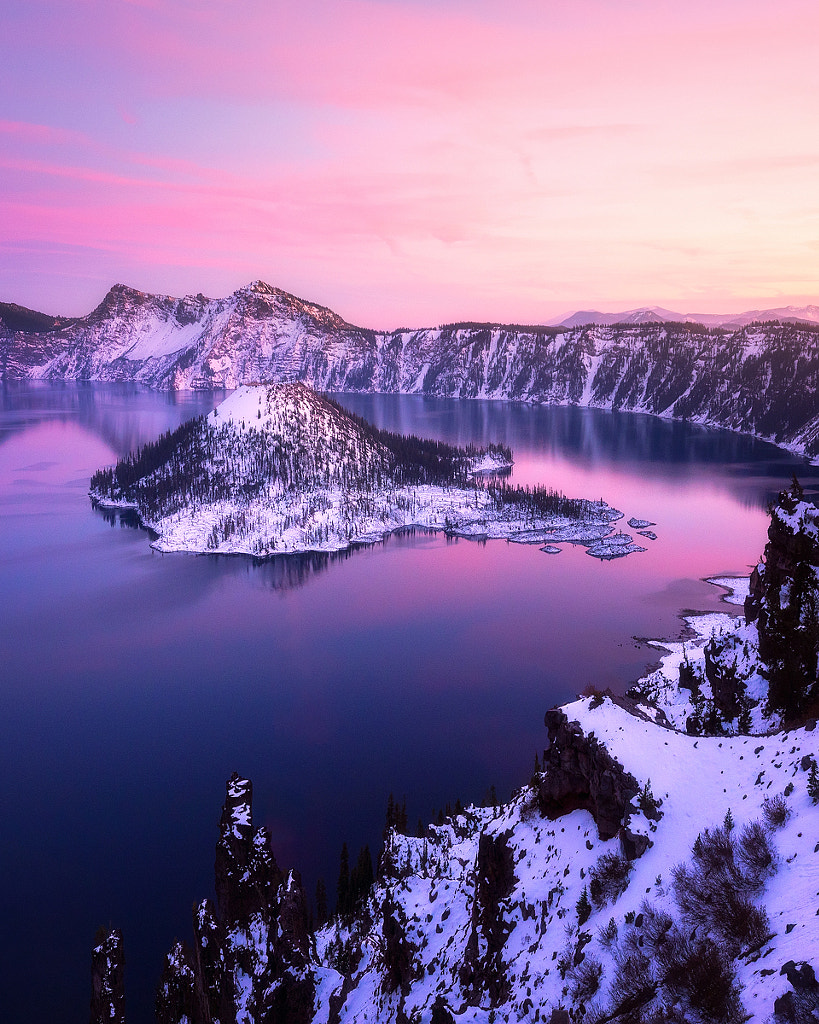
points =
(656, 927)
(585, 979)
(714, 849)
(609, 878)
(648, 803)
(633, 983)
(742, 922)
(756, 854)
(608, 934)
(776, 811)
(713, 891)
(702, 977)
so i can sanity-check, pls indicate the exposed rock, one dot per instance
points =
(246, 870)
(211, 964)
(580, 772)
(180, 997)
(483, 971)
(398, 952)
(801, 1005)
(293, 937)
(252, 956)
(441, 1013)
(633, 844)
(108, 979)
(727, 686)
(783, 601)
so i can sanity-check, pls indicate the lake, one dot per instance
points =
(134, 683)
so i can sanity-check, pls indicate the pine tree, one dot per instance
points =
(321, 903)
(389, 821)
(813, 782)
(343, 887)
(583, 907)
(361, 877)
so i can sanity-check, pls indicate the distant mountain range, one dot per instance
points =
(757, 372)
(658, 315)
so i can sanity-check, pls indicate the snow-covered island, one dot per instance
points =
(277, 469)
(660, 866)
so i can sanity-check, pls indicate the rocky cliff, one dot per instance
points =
(251, 956)
(759, 378)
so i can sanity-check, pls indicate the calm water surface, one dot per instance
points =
(133, 684)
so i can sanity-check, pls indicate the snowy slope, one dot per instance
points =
(698, 780)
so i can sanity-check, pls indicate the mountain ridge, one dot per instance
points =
(760, 378)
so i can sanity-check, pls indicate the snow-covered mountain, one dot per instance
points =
(644, 874)
(277, 468)
(758, 378)
(656, 314)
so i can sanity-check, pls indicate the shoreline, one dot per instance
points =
(595, 533)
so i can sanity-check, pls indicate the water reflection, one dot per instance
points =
(280, 573)
(124, 416)
(657, 448)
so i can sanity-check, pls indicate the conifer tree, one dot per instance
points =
(813, 782)
(321, 903)
(343, 887)
(583, 907)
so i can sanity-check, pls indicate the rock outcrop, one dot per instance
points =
(578, 771)
(484, 972)
(783, 602)
(108, 979)
(251, 956)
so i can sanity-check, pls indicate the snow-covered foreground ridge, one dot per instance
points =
(643, 875)
(760, 378)
(278, 469)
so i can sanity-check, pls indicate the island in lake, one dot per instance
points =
(280, 469)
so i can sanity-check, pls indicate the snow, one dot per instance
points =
(697, 779)
(617, 546)
(804, 518)
(738, 587)
(163, 339)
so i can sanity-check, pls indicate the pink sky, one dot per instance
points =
(410, 162)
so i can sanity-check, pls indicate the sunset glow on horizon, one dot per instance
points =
(412, 162)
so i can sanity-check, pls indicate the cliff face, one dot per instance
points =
(580, 772)
(783, 602)
(759, 378)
